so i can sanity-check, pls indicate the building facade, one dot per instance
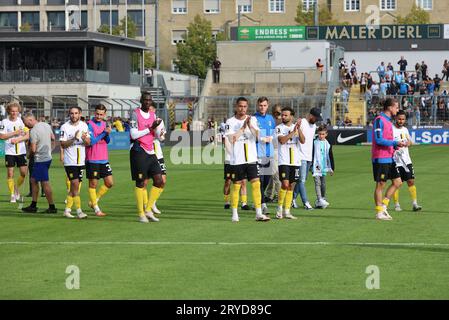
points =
(60, 15)
(175, 15)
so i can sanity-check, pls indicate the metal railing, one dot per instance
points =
(54, 75)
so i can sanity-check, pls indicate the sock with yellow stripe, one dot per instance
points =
(69, 203)
(93, 196)
(379, 209)
(235, 189)
(67, 183)
(77, 201)
(139, 200)
(145, 199)
(386, 202)
(413, 193)
(257, 195)
(79, 187)
(288, 200)
(281, 197)
(11, 186)
(396, 197)
(155, 193)
(102, 191)
(20, 181)
(226, 198)
(244, 198)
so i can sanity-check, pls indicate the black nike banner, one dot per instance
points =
(347, 136)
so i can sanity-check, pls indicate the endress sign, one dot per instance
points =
(272, 33)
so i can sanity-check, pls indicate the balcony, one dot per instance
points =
(54, 75)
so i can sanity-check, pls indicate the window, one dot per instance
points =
(76, 2)
(179, 6)
(174, 67)
(31, 18)
(211, 6)
(8, 21)
(56, 20)
(178, 36)
(8, 2)
(29, 2)
(214, 34)
(352, 5)
(246, 6)
(136, 16)
(104, 17)
(425, 4)
(276, 6)
(55, 2)
(107, 2)
(387, 5)
(308, 5)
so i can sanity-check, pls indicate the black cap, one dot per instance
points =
(316, 112)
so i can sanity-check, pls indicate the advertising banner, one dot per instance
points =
(347, 136)
(2, 148)
(426, 136)
(271, 33)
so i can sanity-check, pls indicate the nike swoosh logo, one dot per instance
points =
(340, 139)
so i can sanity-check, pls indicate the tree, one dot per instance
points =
(25, 27)
(196, 55)
(307, 18)
(415, 16)
(149, 60)
(120, 30)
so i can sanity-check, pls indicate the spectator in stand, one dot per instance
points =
(402, 65)
(383, 88)
(348, 122)
(390, 67)
(216, 65)
(381, 70)
(398, 78)
(369, 81)
(445, 73)
(403, 88)
(363, 80)
(118, 125)
(418, 71)
(389, 75)
(353, 67)
(320, 68)
(437, 81)
(424, 70)
(417, 116)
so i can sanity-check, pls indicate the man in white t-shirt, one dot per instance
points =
(308, 128)
(74, 137)
(403, 161)
(14, 132)
(242, 131)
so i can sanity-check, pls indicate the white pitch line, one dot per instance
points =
(192, 243)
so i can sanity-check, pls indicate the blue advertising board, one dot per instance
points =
(119, 141)
(425, 136)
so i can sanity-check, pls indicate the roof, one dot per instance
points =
(71, 36)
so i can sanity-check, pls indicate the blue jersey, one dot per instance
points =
(266, 125)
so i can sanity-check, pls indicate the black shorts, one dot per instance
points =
(247, 171)
(385, 171)
(74, 172)
(143, 165)
(290, 173)
(227, 171)
(98, 170)
(12, 161)
(163, 167)
(406, 176)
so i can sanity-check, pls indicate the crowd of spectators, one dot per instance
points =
(419, 93)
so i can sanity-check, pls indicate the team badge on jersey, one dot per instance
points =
(95, 173)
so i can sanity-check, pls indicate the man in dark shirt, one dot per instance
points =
(216, 70)
(402, 64)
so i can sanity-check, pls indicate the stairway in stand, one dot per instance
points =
(356, 106)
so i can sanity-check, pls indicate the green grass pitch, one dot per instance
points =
(195, 252)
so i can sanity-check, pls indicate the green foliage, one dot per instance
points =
(196, 55)
(149, 60)
(25, 27)
(121, 28)
(325, 17)
(415, 16)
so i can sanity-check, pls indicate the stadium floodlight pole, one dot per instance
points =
(239, 7)
(95, 15)
(126, 18)
(143, 18)
(316, 13)
(156, 32)
(110, 16)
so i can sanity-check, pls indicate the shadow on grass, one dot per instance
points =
(404, 247)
